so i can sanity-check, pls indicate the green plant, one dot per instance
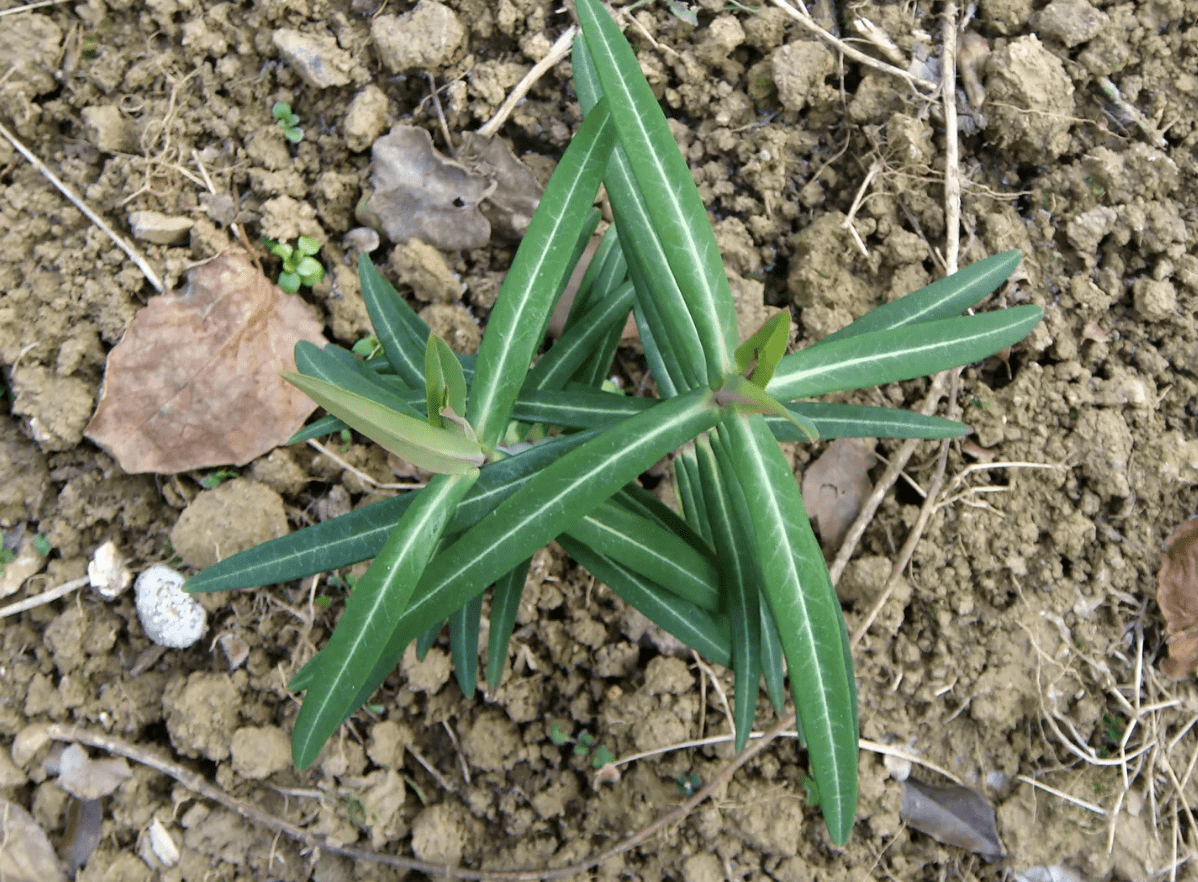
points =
(585, 744)
(212, 480)
(524, 456)
(42, 545)
(300, 266)
(287, 121)
(7, 556)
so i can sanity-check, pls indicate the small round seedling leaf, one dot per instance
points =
(307, 246)
(293, 135)
(289, 282)
(310, 271)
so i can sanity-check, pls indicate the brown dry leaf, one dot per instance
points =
(835, 485)
(25, 853)
(953, 815)
(1177, 594)
(509, 207)
(195, 380)
(419, 194)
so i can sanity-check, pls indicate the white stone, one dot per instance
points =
(169, 616)
(107, 572)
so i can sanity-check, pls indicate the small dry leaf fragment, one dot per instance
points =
(157, 847)
(517, 192)
(835, 485)
(84, 817)
(85, 778)
(195, 381)
(1177, 594)
(27, 855)
(952, 815)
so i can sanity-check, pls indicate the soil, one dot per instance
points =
(1024, 640)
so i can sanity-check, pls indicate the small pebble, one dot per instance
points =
(169, 616)
(107, 572)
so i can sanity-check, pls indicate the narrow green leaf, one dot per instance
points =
(445, 385)
(637, 499)
(772, 658)
(689, 491)
(805, 607)
(359, 535)
(318, 428)
(505, 605)
(424, 642)
(444, 451)
(571, 351)
(942, 299)
(732, 533)
(650, 550)
(577, 409)
(401, 332)
(514, 328)
(764, 349)
(336, 366)
(863, 421)
(904, 353)
(463, 644)
(677, 212)
(672, 344)
(690, 624)
(371, 613)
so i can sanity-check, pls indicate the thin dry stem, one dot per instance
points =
(358, 473)
(557, 52)
(45, 597)
(120, 241)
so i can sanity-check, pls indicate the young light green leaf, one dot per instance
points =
(444, 451)
(445, 385)
(764, 349)
(745, 396)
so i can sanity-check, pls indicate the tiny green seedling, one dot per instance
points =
(300, 266)
(212, 480)
(584, 746)
(367, 347)
(287, 121)
(7, 556)
(688, 785)
(42, 545)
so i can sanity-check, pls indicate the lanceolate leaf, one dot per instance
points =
(672, 344)
(810, 623)
(401, 332)
(677, 212)
(693, 626)
(863, 421)
(463, 644)
(648, 549)
(514, 328)
(899, 353)
(505, 604)
(944, 298)
(732, 533)
(373, 609)
(444, 451)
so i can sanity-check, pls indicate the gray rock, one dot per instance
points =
(317, 59)
(158, 228)
(427, 38)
